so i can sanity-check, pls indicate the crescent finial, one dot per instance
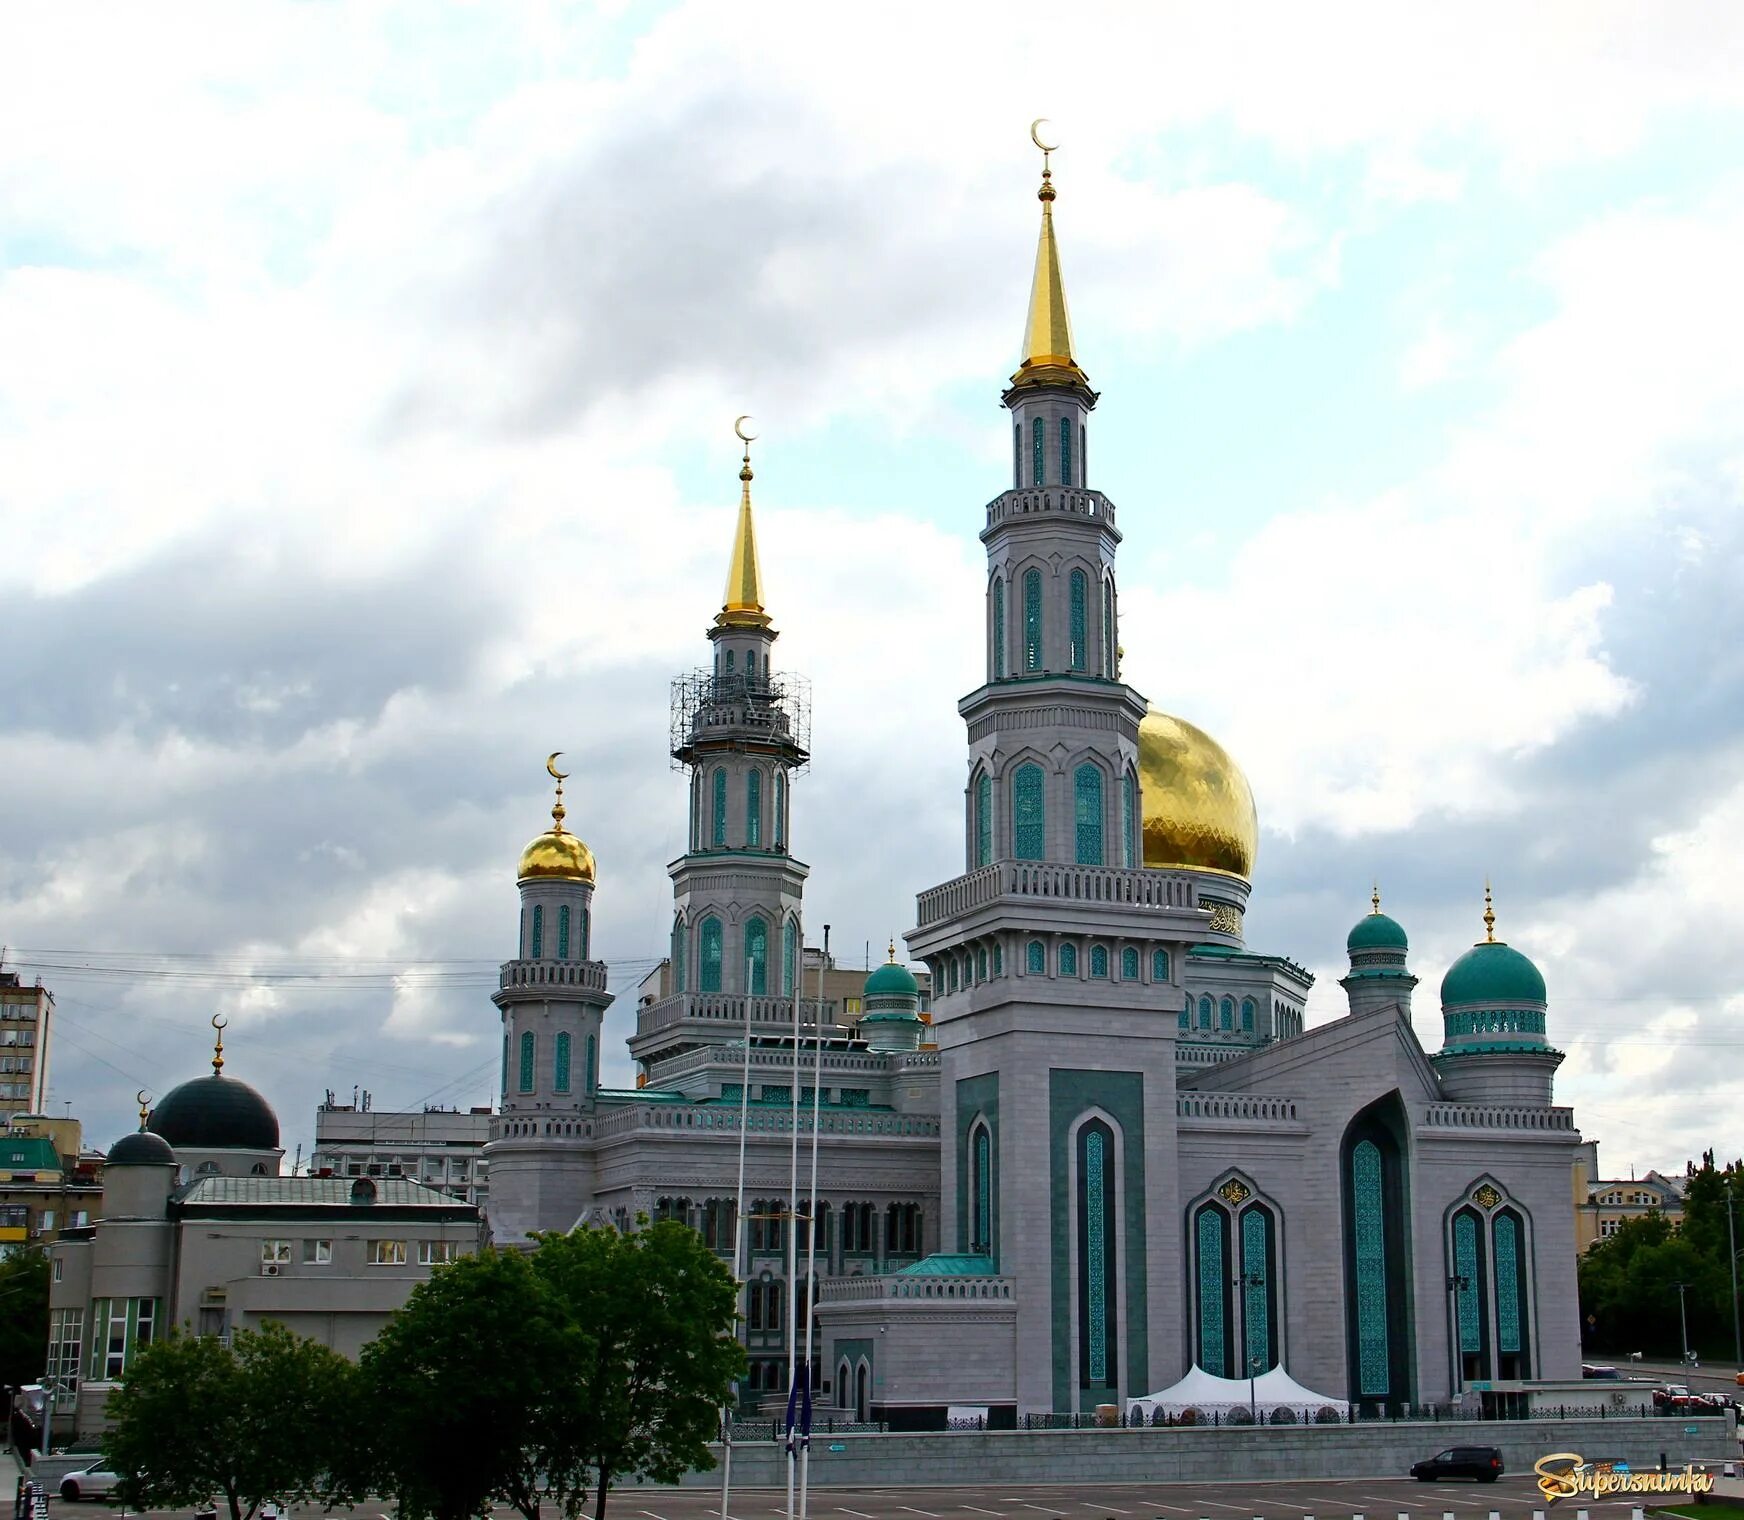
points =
(1035, 135)
(143, 1098)
(739, 428)
(551, 766)
(220, 1022)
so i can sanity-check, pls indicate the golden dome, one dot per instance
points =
(1198, 807)
(556, 855)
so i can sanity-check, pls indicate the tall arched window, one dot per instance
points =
(1097, 1274)
(586, 932)
(563, 932)
(1032, 621)
(789, 955)
(1080, 618)
(1212, 1284)
(729, 662)
(720, 800)
(527, 1053)
(984, 820)
(1187, 1011)
(1258, 1289)
(1068, 960)
(560, 1080)
(1065, 452)
(1368, 1254)
(998, 629)
(1028, 819)
(1035, 960)
(1099, 962)
(592, 1065)
(998, 958)
(1512, 1340)
(1110, 650)
(696, 811)
(1129, 964)
(750, 662)
(980, 963)
(1129, 821)
(1159, 965)
(1205, 1013)
(757, 955)
(1469, 1296)
(678, 954)
(981, 1188)
(1017, 455)
(780, 809)
(708, 971)
(1226, 1014)
(538, 947)
(1036, 454)
(1247, 1015)
(753, 808)
(1087, 813)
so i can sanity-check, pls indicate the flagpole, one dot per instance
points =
(817, 1089)
(738, 1240)
(793, 1240)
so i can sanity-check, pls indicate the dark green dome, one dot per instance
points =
(1375, 931)
(892, 980)
(216, 1113)
(1493, 974)
(142, 1148)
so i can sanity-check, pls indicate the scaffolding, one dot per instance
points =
(770, 712)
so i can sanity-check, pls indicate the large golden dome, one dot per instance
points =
(556, 855)
(1198, 807)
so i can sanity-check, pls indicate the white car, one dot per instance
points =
(94, 1482)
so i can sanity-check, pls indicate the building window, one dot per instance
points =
(1087, 814)
(584, 933)
(1110, 650)
(709, 972)
(1210, 1231)
(998, 958)
(1032, 621)
(1129, 965)
(1099, 962)
(998, 629)
(1159, 965)
(902, 1229)
(1129, 821)
(981, 1189)
(1080, 618)
(678, 955)
(275, 1252)
(1247, 1015)
(757, 956)
(955, 973)
(1035, 463)
(66, 1335)
(1096, 1254)
(750, 662)
(729, 662)
(1035, 958)
(1510, 1280)
(560, 1079)
(527, 1062)
(719, 834)
(1065, 452)
(1068, 960)
(1187, 1011)
(1368, 1197)
(1226, 1014)
(538, 946)
(984, 820)
(317, 1253)
(1257, 1313)
(1028, 820)
(385, 1253)
(1017, 455)
(1205, 1013)
(981, 964)
(563, 933)
(1468, 1295)
(592, 1065)
(754, 808)
(789, 956)
(780, 809)
(433, 1253)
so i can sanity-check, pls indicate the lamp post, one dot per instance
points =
(1683, 1322)
(1732, 1245)
(1456, 1285)
(1246, 1282)
(1253, 1368)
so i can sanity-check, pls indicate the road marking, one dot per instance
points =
(913, 1511)
(860, 1512)
(1240, 1509)
(1117, 1510)
(978, 1510)
(1047, 1509)
(650, 1514)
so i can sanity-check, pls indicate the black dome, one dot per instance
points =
(216, 1113)
(141, 1148)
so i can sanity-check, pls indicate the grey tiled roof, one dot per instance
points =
(329, 1192)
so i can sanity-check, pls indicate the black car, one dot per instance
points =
(1483, 1464)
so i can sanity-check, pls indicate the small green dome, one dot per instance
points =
(892, 980)
(1375, 931)
(1493, 974)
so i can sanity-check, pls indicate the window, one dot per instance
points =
(678, 955)
(998, 630)
(434, 1252)
(955, 974)
(729, 662)
(981, 964)
(1028, 834)
(789, 955)
(1017, 454)
(1099, 961)
(984, 820)
(317, 1253)
(1159, 965)
(561, 1078)
(527, 1061)
(1097, 1251)
(145, 1322)
(1186, 1011)
(902, 1229)
(750, 662)
(1226, 1014)
(981, 1189)
(275, 1251)
(1211, 1287)
(1032, 620)
(1205, 1012)
(1035, 463)
(1087, 814)
(1068, 960)
(1035, 958)
(709, 971)
(538, 945)
(385, 1253)
(109, 1355)
(1129, 821)
(1065, 451)
(1247, 1015)
(1080, 595)
(1110, 650)
(780, 809)
(66, 1333)
(754, 808)
(757, 956)
(1129, 965)
(563, 933)
(592, 1073)
(998, 958)
(719, 826)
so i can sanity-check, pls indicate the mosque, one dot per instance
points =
(1115, 1153)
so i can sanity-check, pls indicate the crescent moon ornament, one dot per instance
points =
(142, 1097)
(739, 428)
(551, 766)
(1035, 135)
(220, 1022)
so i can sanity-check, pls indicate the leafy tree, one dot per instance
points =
(473, 1395)
(23, 1316)
(659, 1308)
(259, 1419)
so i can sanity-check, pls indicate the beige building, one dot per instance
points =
(47, 1182)
(24, 1045)
(1601, 1205)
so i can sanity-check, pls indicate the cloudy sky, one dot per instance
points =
(366, 383)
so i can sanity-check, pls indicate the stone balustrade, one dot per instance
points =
(842, 1290)
(1160, 890)
(590, 976)
(1498, 1116)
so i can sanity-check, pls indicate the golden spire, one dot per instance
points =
(218, 1023)
(742, 606)
(558, 811)
(1489, 915)
(1047, 339)
(893, 952)
(144, 1100)
(1375, 898)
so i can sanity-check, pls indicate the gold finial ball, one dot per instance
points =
(1198, 807)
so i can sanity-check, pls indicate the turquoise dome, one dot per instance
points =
(892, 980)
(1493, 974)
(1375, 931)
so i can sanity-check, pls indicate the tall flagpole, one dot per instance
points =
(738, 1239)
(793, 1243)
(817, 1089)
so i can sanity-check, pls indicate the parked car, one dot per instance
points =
(1594, 1370)
(1483, 1464)
(94, 1482)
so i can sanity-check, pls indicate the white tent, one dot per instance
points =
(1210, 1394)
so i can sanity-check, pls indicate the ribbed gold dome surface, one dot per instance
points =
(558, 855)
(1198, 807)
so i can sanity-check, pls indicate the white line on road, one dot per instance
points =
(860, 1512)
(913, 1511)
(650, 1514)
(978, 1510)
(1088, 1505)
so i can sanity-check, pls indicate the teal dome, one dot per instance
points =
(1493, 974)
(1375, 931)
(892, 980)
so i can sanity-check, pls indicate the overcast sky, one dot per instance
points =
(366, 382)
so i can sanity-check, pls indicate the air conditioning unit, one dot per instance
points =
(270, 1269)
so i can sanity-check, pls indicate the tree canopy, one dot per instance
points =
(23, 1316)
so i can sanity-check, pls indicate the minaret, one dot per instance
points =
(739, 730)
(1378, 976)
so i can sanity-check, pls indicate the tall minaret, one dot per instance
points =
(739, 732)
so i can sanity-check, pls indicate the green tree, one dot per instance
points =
(23, 1316)
(473, 1394)
(659, 1309)
(259, 1419)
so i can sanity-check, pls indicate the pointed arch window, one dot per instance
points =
(1247, 1015)
(1017, 455)
(1206, 1013)
(1211, 1288)
(1129, 965)
(1129, 821)
(1369, 1255)
(538, 947)
(592, 1064)
(981, 964)
(1258, 1294)
(1080, 618)
(1065, 451)
(757, 956)
(1187, 1012)
(1032, 621)
(1036, 435)
(560, 1079)
(586, 932)
(1510, 1279)
(563, 932)
(789, 956)
(981, 1188)
(753, 808)
(1109, 649)
(998, 629)
(983, 819)
(780, 809)
(729, 662)
(1028, 820)
(1159, 965)
(708, 971)
(1099, 962)
(1087, 813)
(1469, 1295)
(528, 1051)
(1226, 1015)
(1068, 960)
(678, 954)
(750, 662)
(1097, 1274)
(998, 958)
(720, 810)
(1035, 960)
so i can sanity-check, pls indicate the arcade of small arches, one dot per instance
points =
(752, 942)
(564, 945)
(854, 1238)
(562, 1063)
(1104, 810)
(1069, 468)
(718, 822)
(1020, 641)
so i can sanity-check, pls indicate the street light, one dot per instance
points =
(1732, 1242)
(1246, 1281)
(1456, 1285)
(1683, 1322)
(1253, 1367)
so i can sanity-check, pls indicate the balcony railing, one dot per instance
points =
(1241, 1107)
(587, 975)
(1496, 1116)
(728, 1008)
(1009, 504)
(852, 1290)
(1158, 890)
